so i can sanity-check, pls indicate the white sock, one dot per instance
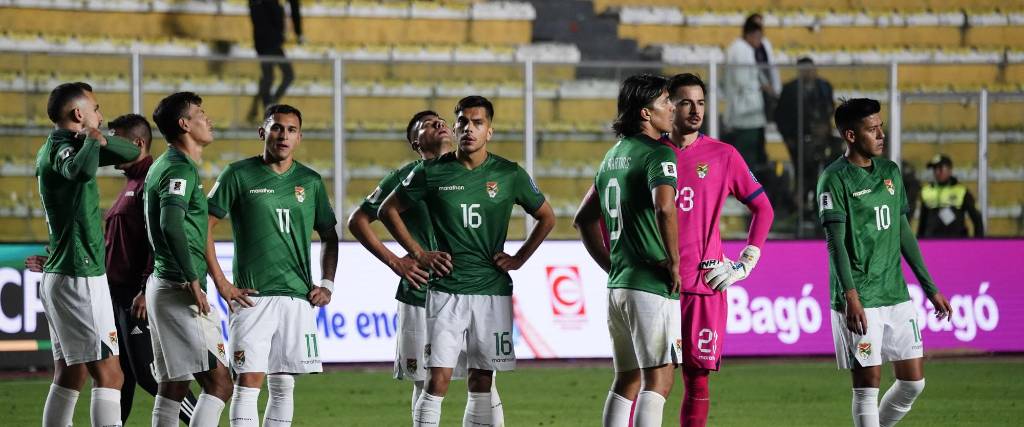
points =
(478, 411)
(649, 408)
(497, 410)
(105, 407)
(243, 412)
(208, 409)
(165, 412)
(281, 405)
(428, 411)
(616, 411)
(897, 401)
(59, 407)
(865, 407)
(417, 390)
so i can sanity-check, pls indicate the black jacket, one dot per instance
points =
(268, 22)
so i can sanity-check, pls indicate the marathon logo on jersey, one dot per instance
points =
(825, 201)
(702, 170)
(451, 188)
(890, 187)
(861, 192)
(492, 189)
(177, 186)
(260, 191)
(239, 358)
(300, 194)
(669, 169)
(752, 176)
(567, 297)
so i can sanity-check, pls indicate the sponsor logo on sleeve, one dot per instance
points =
(177, 186)
(668, 169)
(825, 201)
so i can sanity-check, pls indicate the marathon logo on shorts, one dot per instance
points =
(177, 186)
(410, 365)
(709, 264)
(239, 358)
(864, 349)
(426, 350)
(492, 189)
(300, 194)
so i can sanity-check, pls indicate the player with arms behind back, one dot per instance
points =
(470, 195)
(863, 207)
(635, 198)
(709, 172)
(275, 204)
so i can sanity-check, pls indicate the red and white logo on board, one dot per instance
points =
(567, 298)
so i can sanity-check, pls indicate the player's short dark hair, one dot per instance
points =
(282, 109)
(61, 96)
(416, 118)
(805, 60)
(751, 26)
(474, 101)
(636, 93)
(851, 111)
(134, 125)
(170, 110)
(686, 79)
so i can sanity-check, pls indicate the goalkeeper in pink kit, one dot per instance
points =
(709, 171)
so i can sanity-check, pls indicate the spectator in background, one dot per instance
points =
(749, 81)
(268, 30)
(945, 202)
(912, 185)
(804, 118)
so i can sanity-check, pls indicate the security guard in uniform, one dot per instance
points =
(945, 202)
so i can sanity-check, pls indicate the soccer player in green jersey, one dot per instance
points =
(74, 289)
(873, 319)
(635, 197)
(186, 334)
(469, 195)
(275, 204)
(429, 136)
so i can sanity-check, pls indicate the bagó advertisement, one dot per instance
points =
(560, 303)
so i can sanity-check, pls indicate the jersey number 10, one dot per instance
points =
(882, 218)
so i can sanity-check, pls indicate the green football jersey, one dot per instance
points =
(631, 169)
(272, 219)
(173, 180)
(869, 204)
(417, 221)
(66, 171)
(470, 211)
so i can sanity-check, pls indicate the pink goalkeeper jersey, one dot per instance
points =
(709, 171)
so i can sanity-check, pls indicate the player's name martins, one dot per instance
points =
(617, 163)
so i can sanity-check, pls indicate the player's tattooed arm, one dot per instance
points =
(405, 267)
(545, 217)
(225, 288)
(588, 223)
(391, 215)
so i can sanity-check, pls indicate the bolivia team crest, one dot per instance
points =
(702, 170)
(888, 186)
(113, 338)
(492, 188)
(220, 349)
(300, 194)
(239, 358)
(864, 349)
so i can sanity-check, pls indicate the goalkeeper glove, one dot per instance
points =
(728, 272)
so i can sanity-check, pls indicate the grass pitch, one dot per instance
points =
(962, 392)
